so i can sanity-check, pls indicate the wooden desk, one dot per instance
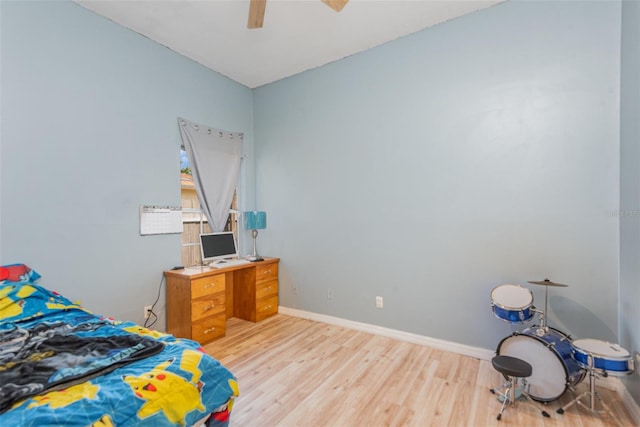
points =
(201, 299)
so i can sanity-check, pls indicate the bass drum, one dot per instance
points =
(549, 353)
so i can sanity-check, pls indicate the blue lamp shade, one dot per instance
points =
(255, 220)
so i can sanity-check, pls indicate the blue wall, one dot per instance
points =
(429, 170)
(630, 187)
(89, 133)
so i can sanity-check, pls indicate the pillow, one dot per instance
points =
(17, 273)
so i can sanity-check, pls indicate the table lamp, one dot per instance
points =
(254, 221)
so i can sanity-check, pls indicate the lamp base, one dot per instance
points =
(254, 258)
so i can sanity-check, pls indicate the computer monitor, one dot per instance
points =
(217, 246)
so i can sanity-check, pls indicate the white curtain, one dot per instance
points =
(215, 157)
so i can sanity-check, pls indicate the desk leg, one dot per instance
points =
(228, 290)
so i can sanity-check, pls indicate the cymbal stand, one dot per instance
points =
(546, 283)
(592, 393)
(542, 314)
(546, 306)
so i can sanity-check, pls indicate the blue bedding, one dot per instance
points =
(62, 365)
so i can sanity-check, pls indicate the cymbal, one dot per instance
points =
(547, 282)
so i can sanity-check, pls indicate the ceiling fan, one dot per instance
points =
(257, 7)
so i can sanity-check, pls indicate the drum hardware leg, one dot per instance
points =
(504, 395)
(571, 388)
(505, 399)
(525, 393)
(592, 393)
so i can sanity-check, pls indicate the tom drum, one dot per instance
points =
(512, 303)
(606, 356)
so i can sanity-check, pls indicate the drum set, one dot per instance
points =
(559, 363)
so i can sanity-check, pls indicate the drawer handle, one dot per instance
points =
(266, 308)
(206, 331)
(209, 285)
(266, 272)
(268, 288)
(209, 307)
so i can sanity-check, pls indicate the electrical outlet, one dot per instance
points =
(147, 311)
(379, 302)
(329, 293)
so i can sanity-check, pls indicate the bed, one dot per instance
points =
(60, 364)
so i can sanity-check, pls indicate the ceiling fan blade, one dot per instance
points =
(256, 13)
(336, 5)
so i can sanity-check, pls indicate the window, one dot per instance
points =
(193, 219)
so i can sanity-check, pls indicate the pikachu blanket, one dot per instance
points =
(62, 365)
(56, 355)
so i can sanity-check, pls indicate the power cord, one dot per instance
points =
(151, 312)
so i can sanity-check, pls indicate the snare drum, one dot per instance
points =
(606, 356)
(549, 353)
(512, 303)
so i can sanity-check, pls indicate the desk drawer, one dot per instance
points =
(209, 328)
(207, 286)
(208, 306)
(266, 289)
(266, 272)
(266, 307)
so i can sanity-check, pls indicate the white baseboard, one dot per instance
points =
(629, 402)
(611, 383)
(477, 352)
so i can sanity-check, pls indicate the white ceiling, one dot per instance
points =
(297, 35)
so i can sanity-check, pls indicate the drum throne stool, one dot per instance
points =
(515, 371)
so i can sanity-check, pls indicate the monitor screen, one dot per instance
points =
(216, 246)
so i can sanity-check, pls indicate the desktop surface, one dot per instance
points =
(198, 270)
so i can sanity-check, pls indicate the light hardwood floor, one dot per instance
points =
(297, 372)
